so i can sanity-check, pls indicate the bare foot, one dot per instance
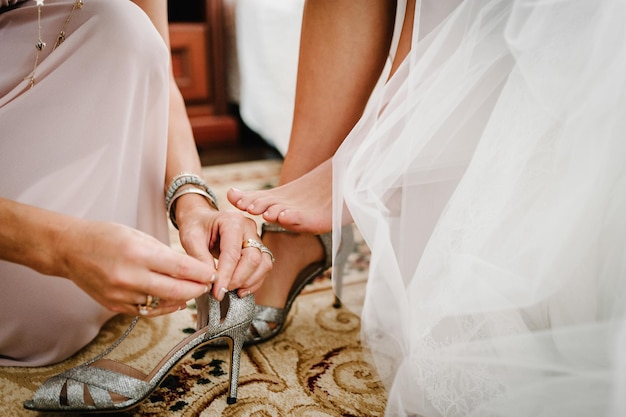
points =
(302, 205)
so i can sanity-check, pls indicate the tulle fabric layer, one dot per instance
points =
(488, 179)
(88, 140)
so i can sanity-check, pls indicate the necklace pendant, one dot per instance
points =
(40, 45)
(60, 40)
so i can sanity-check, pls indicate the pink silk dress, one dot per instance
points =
(88, 140)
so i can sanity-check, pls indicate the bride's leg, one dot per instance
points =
(343, 48)
(305, 204)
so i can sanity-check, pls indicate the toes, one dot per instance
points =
(258, 203)
(239, 199)
(289, 219)
(272, 213)
(255, 208)
(234, 195)
(303, 222)
(255, 202)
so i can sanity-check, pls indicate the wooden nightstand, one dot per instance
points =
(197, 42)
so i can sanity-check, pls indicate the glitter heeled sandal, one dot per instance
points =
(269, 321)
(103, 385)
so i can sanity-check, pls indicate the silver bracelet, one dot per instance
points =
(171, 208)
(184, 179)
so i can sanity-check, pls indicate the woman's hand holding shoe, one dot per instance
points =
(206, 233)
(121, 267)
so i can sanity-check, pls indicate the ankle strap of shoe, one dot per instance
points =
(273, 227)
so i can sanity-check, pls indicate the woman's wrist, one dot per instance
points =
(191, 189)
(187, 205)
(35, 237)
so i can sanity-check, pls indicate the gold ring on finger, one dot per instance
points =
(251, 243)
(151, 303)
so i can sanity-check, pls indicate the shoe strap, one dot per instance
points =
(326, 240)
(240, 311)
(263, 316)
(114, 345)
(269, 314)
(99, 382)
(273, 227)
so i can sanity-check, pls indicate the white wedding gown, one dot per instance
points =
(87, 140)
(488, 177)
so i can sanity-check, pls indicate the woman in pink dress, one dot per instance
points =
(94, 131)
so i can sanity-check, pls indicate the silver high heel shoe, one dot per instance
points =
(269, 321)
(102, 385)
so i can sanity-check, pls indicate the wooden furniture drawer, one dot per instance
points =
(198, 62)
(189, 60)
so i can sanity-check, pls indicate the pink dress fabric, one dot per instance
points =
(89, 140)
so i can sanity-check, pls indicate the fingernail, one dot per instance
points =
(207, 288)
(244, 294)
(221, 293)
(213, 278)
(236, 189)
(250, 207)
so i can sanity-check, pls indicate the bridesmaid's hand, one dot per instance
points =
(206, 233)
(119, 267)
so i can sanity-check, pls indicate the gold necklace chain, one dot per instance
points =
(40, 45)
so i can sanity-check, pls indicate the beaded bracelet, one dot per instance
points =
(184, 179)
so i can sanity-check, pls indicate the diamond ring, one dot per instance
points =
(251, 243)
(151, 302)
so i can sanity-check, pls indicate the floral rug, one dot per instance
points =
(315, 367)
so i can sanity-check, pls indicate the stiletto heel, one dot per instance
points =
(235, 355)
(235, 335)
(345, 249)
(102, 385)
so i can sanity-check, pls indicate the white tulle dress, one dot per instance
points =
(88, 140)
(488, 177)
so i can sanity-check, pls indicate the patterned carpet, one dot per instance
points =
(316, 367)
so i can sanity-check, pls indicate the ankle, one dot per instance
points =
(305, 246)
